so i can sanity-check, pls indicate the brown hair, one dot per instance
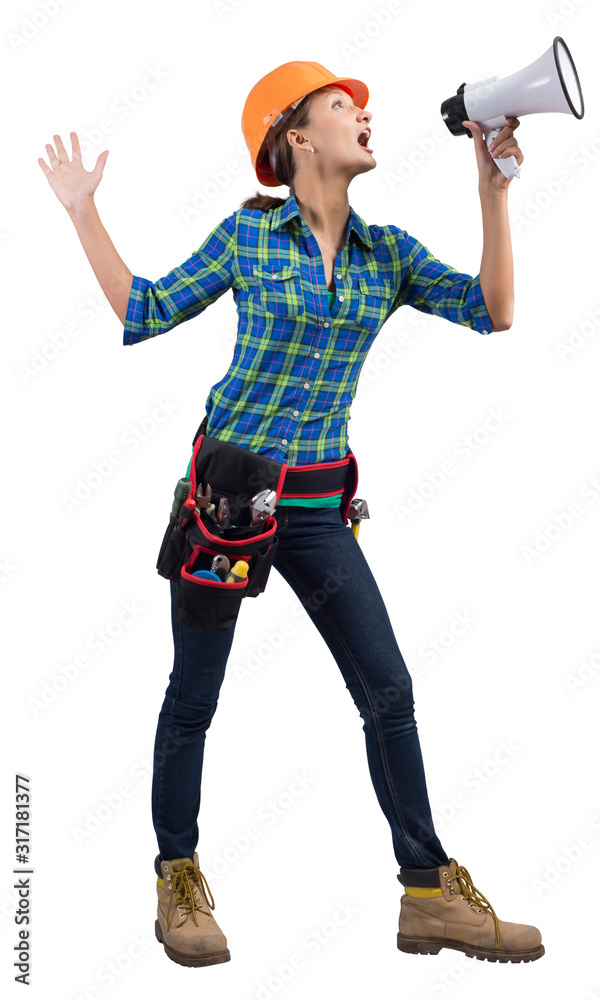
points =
(285, 163)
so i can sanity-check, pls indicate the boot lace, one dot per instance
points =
(183, 882)
(474, 897)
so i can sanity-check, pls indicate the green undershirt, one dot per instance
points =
(334, 501)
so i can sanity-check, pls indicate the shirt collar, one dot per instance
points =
(284, 213)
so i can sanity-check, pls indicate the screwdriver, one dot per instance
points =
(181, 493)
(239, 572)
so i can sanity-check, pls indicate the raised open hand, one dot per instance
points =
(69, 180)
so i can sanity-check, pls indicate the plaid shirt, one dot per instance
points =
(295, 367)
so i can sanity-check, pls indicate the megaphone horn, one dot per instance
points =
(548, 84)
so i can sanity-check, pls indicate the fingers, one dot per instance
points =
(62, 153)
(475, 129)
(62, 156)
(51, 155)
(511, 151)
(75, 146)
(54, 159)
(515, 151)
(506, 131)
(504, 144)
(509, 147)
(44, 166)
(506, 148)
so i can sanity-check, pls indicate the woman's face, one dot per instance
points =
(335, 126)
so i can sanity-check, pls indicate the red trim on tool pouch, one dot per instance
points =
(346, 501)
(270, 521)
(279, 486)
(187, 575)
(212, 583)
(320, 465)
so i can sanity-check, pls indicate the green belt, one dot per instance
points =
(312, 501)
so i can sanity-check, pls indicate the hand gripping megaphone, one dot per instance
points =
(548, 84)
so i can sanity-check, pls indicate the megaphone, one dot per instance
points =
(548, 84)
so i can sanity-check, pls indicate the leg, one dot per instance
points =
(187, 711)
(323, 563)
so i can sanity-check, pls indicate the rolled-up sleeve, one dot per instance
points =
(155, 307)
(432, 287)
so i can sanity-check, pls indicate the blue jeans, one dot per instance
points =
(322, 561)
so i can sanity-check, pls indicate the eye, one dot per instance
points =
(339, 101)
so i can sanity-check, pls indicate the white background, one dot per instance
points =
(494, 541)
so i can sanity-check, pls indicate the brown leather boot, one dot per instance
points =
(441, 908)
(185, 926)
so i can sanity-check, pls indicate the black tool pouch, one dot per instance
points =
(173, 546)
(236, 474)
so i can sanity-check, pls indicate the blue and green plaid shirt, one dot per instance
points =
(296, 362)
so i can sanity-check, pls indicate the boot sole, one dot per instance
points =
(190, 960)
(431, 946)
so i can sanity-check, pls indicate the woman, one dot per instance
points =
(313, 285)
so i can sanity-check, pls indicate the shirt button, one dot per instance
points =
(339, 277)
(296, 413)
(317, 355)
(306, 385)
(275, 275)
(341, 298)
(325, 325)
(284, 441)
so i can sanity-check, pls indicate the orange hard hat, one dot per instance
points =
(282, 90)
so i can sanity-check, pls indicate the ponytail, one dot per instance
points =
(264, 202)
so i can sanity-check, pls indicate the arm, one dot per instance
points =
(433, 287)
(186, 291)
(114, 276)
(485, 302)
(74, 187)
(496, 271)
(144, 308)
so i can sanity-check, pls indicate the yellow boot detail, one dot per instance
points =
(413, 890)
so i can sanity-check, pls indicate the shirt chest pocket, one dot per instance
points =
(374, 301)
(279, 289)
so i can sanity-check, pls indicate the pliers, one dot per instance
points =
(204, 500)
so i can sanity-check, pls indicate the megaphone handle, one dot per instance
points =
(507, 164)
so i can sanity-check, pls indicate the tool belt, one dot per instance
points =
(193, 538)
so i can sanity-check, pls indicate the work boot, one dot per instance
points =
(433, 915)
(185, 926)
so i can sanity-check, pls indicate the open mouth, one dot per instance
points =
(363, 139)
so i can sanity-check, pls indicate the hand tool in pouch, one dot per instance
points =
(263, 505)
(181, 493)
(357, 512)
